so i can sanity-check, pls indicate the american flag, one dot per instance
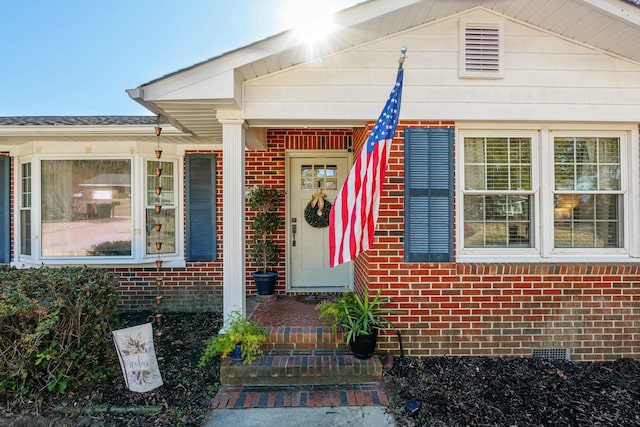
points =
(352, 220)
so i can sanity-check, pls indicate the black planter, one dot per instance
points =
(363, 346)
(266, 282)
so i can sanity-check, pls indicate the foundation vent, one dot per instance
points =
(550, 353)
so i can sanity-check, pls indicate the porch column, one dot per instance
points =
(233, 223)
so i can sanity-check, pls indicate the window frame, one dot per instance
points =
(624, 217)
(461, 192)
(139, 177)
(543, 179)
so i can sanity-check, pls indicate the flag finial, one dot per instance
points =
(403, 56)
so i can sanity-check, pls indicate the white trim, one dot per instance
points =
(234, 279)
(633, 195)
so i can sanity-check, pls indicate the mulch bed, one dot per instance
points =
(184, 399)
(449, 391)
(470, 391)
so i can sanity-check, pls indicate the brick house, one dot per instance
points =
(509, 220)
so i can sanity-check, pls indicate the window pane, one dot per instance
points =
(586, 221)
(161, 229)
(587, 218)
(25, 232)
(164, 182)
(320, 176)
(564, 164)
(587, 164)
(609, 177)
(160, 232)
(25, 211)
(474, 177)
(86, 208)
(497, 165)
(497, 221)
(520, 177)
(609, 150)
(474, 150)
(26, 185)
(306, 173)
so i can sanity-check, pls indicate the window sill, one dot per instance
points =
(146, 263)
(555, 259)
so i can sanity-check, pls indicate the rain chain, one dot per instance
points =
(158, 227)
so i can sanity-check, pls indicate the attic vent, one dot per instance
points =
(481, 50)
(550, 353)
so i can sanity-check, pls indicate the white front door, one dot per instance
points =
(308, 245)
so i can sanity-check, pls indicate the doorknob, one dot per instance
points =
(294, 227)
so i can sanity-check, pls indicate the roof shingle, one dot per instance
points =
(79, 121)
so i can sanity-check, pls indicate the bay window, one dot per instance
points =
(90, 210)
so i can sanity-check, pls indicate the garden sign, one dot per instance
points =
(138, 357)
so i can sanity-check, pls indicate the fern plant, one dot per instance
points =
(239, 331)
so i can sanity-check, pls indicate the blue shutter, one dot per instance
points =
(5, 235)
(201, 207)
(428, 197)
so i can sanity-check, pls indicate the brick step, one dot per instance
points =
(239, 397)
(303, 338)
(295, 367)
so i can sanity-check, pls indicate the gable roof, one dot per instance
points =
(191, 98)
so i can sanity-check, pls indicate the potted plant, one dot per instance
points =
(242, 340)
(265, 253)
(359, 318)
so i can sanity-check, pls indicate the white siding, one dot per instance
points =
(546, 78)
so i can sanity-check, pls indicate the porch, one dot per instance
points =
(304, 363)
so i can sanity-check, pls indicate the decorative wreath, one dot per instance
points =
(317, 211)
(316, 217)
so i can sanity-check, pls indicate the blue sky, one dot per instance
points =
(77, 57)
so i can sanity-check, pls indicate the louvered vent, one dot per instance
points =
(482, 50)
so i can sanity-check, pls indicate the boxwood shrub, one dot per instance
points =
(55, 327)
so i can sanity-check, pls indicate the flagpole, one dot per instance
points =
(403, 56)
(354, 214)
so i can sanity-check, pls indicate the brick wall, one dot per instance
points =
(593, 310)
(267, 168)
(196, 287)
(446, 309)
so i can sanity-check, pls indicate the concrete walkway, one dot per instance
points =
(369, 416)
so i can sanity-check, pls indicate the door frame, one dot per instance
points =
(311, 154)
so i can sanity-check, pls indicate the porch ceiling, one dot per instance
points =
(610, 25)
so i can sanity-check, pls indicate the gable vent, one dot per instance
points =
(481, 50)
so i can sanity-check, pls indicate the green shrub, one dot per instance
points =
(54, 325)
